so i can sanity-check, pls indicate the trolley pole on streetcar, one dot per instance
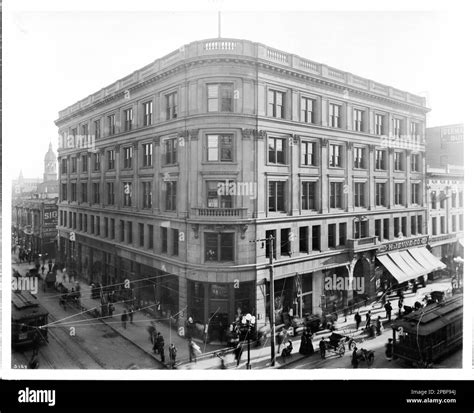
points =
(272, 298)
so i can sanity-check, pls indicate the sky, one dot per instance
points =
(55, 58)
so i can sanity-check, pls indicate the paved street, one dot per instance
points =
(88, 348)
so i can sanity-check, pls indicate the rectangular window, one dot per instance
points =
(307, 110)
(335, 195)
(92, 224)
(79, 218)
(415, 130)
(73, 192)
(386, 228)
(150, 236)
(308, 195)
(128, 114)
(106, 227)
(396, 227)
(398, 161)
(453, 223)
(360, 229)
(415, 162)
(220, 97)
(434, 199)
(127, 194)
(334, 115)
(268, 234)
(96, 192)
(335, 156)
(461, 222)
(404, 226)
(378, 229)
(73, 164)
(85, 132)
(141, 235)
(170, 151)
(110, 193)
(332, 235)
(276, 104)
(358, 120)
(63, 192)
(379, 124)
(97, 161)
(276, 150)
(122, 230)
(171, 105)
(127, 157)
(308, 153)
(86, 220)
(316, 237)
(434, 226)
(442, 200)
(97, 226)
(397, 127)
(175, 235)
(218, 194)
(219, 247)
(170, 196)
(398, 194)
(380, 159)
(453, 199)
(359, 194)
(285, 242)
(130, 232)
(303, 239)
(111, 121)
(413, 225)
(415, 194)
(84, 192)
(111, 159)
(97, 128)
(64, 166)
(379, 194)
(147, 154)
(359, 158)
(85, 163)
(276, 196)
(220, 148)
(419, 222)
(147, 113)
(112, 228)
(146, 195)
(442, 225)
(342, 233)
(461, 199)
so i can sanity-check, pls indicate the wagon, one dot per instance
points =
(337, 343)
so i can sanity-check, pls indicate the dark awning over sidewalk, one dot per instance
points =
(409, 264)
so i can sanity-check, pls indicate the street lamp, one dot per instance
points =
(250, 323)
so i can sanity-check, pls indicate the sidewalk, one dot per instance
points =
(136, 332)
(260, 357)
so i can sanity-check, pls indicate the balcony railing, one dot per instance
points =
(239, 213)
(360, 243)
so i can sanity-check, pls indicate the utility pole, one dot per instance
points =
(272, 299)
(272, 305)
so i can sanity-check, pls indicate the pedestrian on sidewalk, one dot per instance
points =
(192, 350)
(368, 319)
(124, 319)
(322, 348)
(152, 331)
(354, 360)
(238, 352)
(173, 352)
(111, 309)
(400, 305)
(389, 349)
(345, 312)
(379, 326)
(357, 319)
(159, 346)
(388, 310)
(42, 270)
(281, 338)
(130, 313)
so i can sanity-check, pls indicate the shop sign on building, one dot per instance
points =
(403, 244)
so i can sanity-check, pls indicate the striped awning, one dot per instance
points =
(409, 264)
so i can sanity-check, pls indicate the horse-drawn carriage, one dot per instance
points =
(337, 343)
(69, 297)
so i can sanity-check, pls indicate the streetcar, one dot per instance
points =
(28, 315)
(430, 333)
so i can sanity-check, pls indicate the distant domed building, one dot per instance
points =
(49, 188)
